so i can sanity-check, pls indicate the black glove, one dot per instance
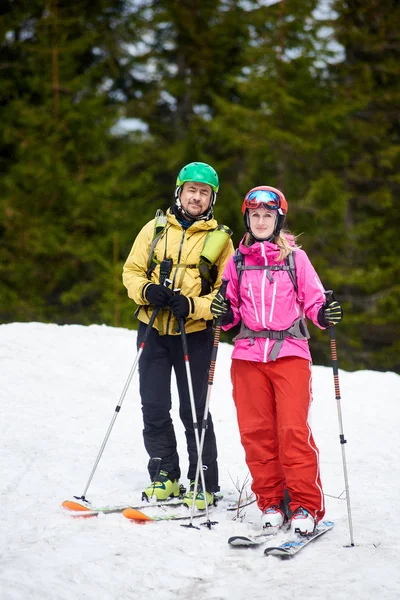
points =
(180, 306)
(219, 306)
(221, 309)
(330, 313)
(158, 295)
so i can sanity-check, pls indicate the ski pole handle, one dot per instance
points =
(335, 366)
(222, 291)
(223, 286)
(329, 296)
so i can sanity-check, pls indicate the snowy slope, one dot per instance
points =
(59, 387)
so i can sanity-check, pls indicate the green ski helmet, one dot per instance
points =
(201, 173)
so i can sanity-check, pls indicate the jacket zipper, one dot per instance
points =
(271, 313)
(174, 278)
(266, 343)
(263, 288)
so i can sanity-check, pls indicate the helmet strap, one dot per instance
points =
(280, 219)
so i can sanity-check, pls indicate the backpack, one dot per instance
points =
(208, 270)
(297, 330)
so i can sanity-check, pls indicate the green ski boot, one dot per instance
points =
(200, 502)
(162, 488)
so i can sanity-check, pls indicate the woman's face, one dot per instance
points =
(262, 222)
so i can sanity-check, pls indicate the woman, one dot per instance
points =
(272, 286)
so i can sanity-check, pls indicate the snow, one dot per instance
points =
(59, 387)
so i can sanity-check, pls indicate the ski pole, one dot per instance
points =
(194, 417)
(118, 407)
(165, 269)
(211, 373)
(343, 441)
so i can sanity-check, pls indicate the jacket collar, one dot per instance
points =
(256, 247)
(195, 226)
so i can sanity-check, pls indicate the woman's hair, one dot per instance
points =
(285, 240)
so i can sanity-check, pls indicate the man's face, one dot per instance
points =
(195, 198)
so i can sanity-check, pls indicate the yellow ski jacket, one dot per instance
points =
(184, 247)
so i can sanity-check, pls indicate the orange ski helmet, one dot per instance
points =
(269, 197)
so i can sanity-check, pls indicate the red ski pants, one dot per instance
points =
(272, 402)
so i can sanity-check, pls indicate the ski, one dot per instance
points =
(293, 546)
(251, 541)
(79, 508)
(85, 510)
(138, 516)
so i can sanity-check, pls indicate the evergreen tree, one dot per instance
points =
(271, 127)
(276, 130)
(361, 182)
(191, 53)
(254, 89)
(65, 70)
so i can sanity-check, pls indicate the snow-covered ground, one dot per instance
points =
(59, 387)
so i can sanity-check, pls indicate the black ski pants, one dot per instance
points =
(161, 354)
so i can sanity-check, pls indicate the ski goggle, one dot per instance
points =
(269, 199)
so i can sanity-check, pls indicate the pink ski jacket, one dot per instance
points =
(274, 305)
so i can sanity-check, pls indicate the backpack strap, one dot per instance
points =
(238, 259)
(291, 263)
(289, 266)
(152, 262)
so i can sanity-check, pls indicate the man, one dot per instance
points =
(191, 251)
